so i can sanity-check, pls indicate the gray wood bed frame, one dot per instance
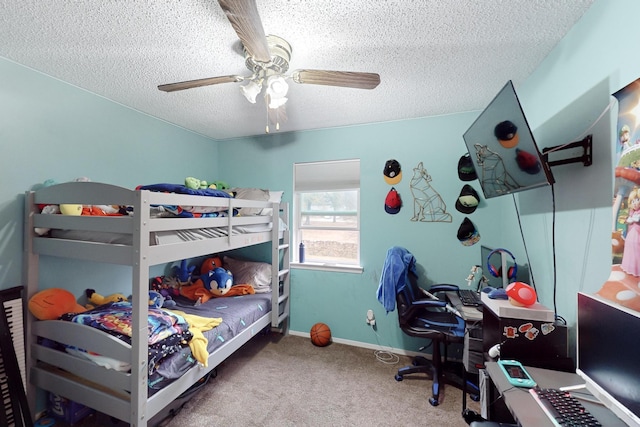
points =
(124, 395)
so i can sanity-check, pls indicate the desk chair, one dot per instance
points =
(421, 314)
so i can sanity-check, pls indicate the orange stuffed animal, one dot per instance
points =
(50, 304)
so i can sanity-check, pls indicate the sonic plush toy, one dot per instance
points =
(213, 283)
(218, 281)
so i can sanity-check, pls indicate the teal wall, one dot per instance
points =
(49, 129)
(565, 98)
(342, 299)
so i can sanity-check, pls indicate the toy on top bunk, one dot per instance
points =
(197, 184)
(214, 282)
(75, 209)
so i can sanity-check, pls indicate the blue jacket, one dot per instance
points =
(395, 271)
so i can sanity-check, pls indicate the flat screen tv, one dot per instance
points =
(607, 350)
(502, 148)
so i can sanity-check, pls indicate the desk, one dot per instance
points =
(469, 314)
(524, 408)
(472, 357)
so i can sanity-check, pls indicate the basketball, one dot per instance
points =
(320, 334)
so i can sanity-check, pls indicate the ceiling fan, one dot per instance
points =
(267, 57)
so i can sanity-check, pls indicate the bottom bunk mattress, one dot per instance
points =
(179, 338)
(237, 313)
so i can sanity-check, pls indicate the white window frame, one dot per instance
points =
(324, 176)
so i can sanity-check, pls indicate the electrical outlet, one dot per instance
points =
(371, 318)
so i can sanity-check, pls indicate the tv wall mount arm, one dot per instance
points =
(585, 158)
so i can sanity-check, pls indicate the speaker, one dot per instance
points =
(497, 272)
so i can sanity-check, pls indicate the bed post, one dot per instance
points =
(30, 279)
(140, 307)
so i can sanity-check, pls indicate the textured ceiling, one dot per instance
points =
(433, 57)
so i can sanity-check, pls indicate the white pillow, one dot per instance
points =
(250, 194)
(257, 194)
(274, 197)
(254, 273)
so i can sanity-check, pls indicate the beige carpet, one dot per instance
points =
(287, 381)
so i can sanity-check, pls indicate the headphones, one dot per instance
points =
(497, 272)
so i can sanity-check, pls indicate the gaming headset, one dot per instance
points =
(497, 272)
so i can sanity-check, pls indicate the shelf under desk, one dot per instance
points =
(524, 408)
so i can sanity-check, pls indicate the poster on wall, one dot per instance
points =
(622, 284)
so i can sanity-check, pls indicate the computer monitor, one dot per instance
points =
(608, 355)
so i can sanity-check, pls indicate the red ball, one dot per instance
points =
(320, 334)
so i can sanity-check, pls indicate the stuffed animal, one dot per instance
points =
(50, 304)
(156, 300)
(165, 287)
(221, 185)
(184, 273)
(210, 264)
(197, 184)
(214, 283)
(218, 281)
(95, 299)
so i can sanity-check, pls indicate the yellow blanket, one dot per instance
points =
(198, 325)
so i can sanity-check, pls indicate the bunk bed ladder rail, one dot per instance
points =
(280, 257)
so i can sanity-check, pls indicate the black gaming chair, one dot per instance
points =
(423, 316)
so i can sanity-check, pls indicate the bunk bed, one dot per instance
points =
(143, 241)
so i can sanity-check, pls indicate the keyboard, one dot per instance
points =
(562, 408)
(469, 298)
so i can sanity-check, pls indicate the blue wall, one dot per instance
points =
(49, 129)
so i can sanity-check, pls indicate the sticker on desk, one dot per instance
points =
(547, 328)
(530, 332)
(510, 332)
(525, 327)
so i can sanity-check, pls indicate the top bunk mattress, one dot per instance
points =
(150, 214)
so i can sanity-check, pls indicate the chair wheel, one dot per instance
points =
(399, 377)
(475, 397)
(433, 401)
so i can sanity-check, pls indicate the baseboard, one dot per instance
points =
(366, 345)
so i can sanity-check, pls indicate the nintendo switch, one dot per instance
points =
(516, 374)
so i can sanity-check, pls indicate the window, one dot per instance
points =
(327, 212)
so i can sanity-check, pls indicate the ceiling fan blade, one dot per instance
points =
(172, 87)
(337, 78)
(245, 20)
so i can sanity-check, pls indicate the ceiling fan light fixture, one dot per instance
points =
(277, 89)
(251, 90)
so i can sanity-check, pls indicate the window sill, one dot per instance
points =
(338, 268)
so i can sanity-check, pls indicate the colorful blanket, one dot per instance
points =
(116, 318)
(168, 332)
